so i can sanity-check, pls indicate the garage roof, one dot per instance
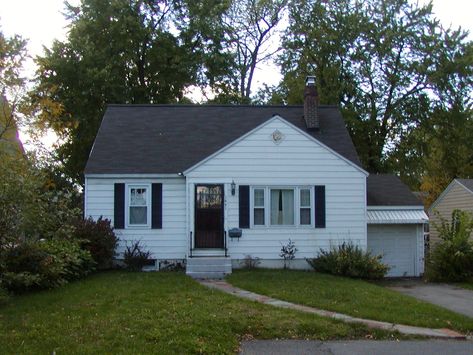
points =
(396, 216)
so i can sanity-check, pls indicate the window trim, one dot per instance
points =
(127, 206)
(267, 207)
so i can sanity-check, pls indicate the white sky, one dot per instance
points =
(41, 21)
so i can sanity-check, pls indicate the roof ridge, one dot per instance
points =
(214, 105)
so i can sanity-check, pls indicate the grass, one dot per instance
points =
(468, 285)
(354, 297)
(122, 312)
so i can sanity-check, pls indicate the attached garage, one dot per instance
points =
(400, 246)
(396, 221)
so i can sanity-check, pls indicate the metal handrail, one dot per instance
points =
(225, 242)
(190, 242)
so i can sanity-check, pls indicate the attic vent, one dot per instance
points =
(311, 104)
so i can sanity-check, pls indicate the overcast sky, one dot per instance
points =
(41, 21)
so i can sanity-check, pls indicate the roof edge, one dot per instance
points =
(394, 207)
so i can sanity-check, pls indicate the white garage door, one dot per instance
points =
(397, 245)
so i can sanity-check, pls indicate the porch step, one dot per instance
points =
(208, 267)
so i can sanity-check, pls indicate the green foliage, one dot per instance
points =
(452, 259)
(76, 262)
(12, 92)
(135, 257)
(29, 207)
(4, 296)
(388, 64)
(118, 51)
(351, 261)
(98, 238)
(43, 264)
(288, 252)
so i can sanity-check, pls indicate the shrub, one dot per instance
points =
(452, 259)
(351, 261)
(99, 239)
(135, 257)
(4, 296)
(43, 264)
(288, 252)
(76, 262)
(250, 262)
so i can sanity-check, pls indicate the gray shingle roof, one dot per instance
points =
(140, 139)
(468, 183)
(389, 190)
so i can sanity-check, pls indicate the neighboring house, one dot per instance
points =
(457, 196)
(186, 180)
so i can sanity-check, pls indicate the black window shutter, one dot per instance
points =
(244, 205)
(119, 206)
(157, 206)
(319, 206)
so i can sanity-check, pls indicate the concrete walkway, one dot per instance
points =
(451, 297)
(404, 329)
(356, 347)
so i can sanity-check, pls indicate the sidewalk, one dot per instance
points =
(403, 329)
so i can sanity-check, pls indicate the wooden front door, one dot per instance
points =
(209, 216)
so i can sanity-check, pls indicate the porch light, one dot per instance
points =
(233, 188)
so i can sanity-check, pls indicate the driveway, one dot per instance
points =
(451, 297)
(357, 347)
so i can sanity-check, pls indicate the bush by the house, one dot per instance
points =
(452, 259)
(288, 252)
(43, 264)
(135, 257)
(250, 262)
(99, 239)
(351, 261)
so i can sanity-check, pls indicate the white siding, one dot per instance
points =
(297, 160)
(401, 247)
(171, 241)
(457, 197)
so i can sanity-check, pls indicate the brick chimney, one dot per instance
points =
(311, 104)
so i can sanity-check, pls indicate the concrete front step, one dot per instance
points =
(211, 267)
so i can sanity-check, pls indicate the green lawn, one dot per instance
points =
(467, 285)
(121, 312)
(354, 297)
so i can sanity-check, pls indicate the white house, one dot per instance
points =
(213, 184)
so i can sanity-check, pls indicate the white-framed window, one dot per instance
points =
(138, 208)
(305, 207)
(258, 207)
(282, 206)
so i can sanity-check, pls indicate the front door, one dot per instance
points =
(209, 216)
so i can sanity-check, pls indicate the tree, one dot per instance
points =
(251, 25)
(379, 60)
(235, 37)
(117, 51)
(12, 90)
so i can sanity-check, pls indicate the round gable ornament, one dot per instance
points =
(277, 136)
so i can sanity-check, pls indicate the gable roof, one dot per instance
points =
(162, 139)
(279, 118)
(467, 184)
(389, 190)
